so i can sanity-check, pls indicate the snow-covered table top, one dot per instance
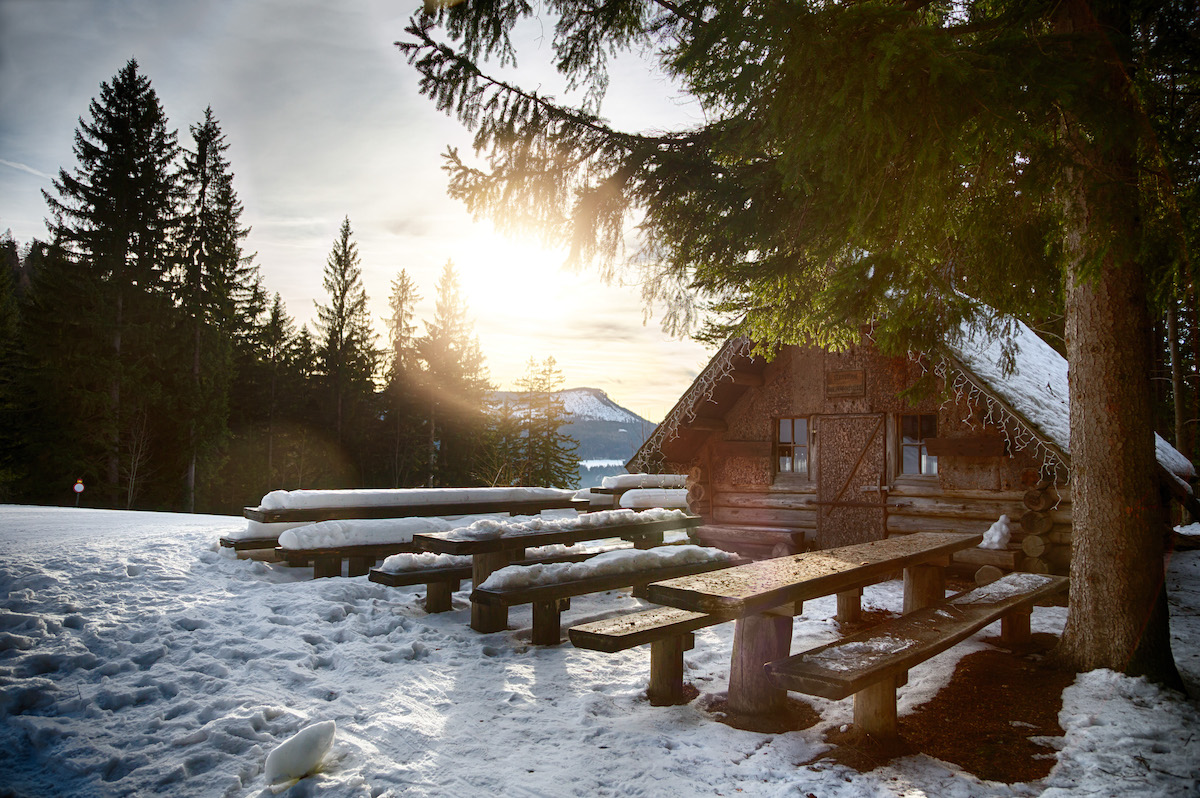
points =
(326, 505)
(501, 535)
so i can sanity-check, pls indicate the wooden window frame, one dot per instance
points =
(923, 456)
(779, 447)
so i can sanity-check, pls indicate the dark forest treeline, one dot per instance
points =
(141, 352)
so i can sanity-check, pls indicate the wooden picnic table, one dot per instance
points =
(763, 596)
(492, 553)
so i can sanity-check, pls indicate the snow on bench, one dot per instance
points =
(632, 481)
(642, 498)
(442, 574)
(549, 588)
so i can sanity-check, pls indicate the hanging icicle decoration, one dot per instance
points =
(1017, 432)
(700, 393)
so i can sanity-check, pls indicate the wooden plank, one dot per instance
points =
(802, 519)
(773, 500)
(314, 514)
(627, 631)
(758, 586)
(851, 664)
(581, 587)
(445, 543)
(250, 544)
(986, 445)
(743, 448)
(1000, 558)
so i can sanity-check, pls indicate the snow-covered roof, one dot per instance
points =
(1036, 387)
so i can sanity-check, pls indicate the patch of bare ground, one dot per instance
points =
(981, 721)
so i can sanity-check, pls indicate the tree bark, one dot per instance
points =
(1117, 617)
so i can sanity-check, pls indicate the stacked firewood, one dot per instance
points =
(1047, 526)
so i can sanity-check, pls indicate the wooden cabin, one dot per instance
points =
(817, 449)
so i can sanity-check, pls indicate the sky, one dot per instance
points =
(324, 121)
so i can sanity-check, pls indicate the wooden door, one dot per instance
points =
(851, 470)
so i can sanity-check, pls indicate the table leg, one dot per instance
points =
(849, 606)
(924, 585)
(757, 640)
(486, 618)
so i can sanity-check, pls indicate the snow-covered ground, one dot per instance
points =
(137, 659)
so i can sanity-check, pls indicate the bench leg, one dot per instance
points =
(666, 669)
(1014, 627)
(360, 566)
(648, 541)
(849, 606)
(547, 621)
(923, 585)
(486, 618)
(326, 565)
(757, 640)
(875, 709)
(438, 596)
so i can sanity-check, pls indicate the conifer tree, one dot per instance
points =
(347, 345)
(455, 384)
(113, 220)
(10, 264)
(215, 284)
(402, 391)
(549, 459)
(884, 163)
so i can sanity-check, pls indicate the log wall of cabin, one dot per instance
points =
(735, 485)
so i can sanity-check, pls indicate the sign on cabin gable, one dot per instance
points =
(845, 384)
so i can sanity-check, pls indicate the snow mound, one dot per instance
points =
(608, 564)
(998, 534)
(644, 498)
(300, 754)
(630, 481)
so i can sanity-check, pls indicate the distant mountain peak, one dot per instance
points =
(593, 404)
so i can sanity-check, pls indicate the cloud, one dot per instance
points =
(20, 167)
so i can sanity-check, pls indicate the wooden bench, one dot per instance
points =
(668, 630)
(491, 553)
(870, 665)
(550, 600)
(327, 561)
(441, 582)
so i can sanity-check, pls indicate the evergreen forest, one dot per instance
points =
(143, 357)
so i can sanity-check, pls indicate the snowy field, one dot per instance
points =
(136, 659)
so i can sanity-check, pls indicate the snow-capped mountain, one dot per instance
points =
(608, 434)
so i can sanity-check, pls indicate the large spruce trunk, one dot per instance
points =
(1118, 615)
(1118, 610)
